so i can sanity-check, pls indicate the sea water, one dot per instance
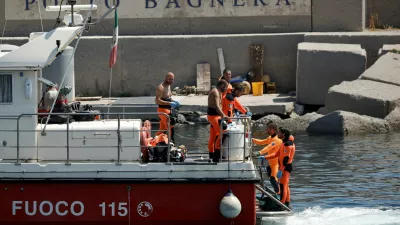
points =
(336, 180)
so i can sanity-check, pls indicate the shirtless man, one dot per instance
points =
(165, 104)
(214, 116)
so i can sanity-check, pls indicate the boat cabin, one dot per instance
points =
(27, 137)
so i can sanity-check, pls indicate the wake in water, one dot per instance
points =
(339, 216)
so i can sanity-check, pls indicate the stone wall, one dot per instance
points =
(138, 18)
(234, 17)
(143, 61)
(338, 15)
(299, 16)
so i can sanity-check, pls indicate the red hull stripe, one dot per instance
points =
(139, 204)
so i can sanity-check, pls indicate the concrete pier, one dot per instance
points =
(259, 105)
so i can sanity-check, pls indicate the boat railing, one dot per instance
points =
(69, 116)
(246, 122)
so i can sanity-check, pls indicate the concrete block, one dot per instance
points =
(394, 119)
(386, 48)
(322, 65)
(385, 70)
(370, 41)
(364, 97)
(338, 15)
(343, 123)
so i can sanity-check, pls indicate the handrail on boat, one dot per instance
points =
(245, 121)
(90, 113)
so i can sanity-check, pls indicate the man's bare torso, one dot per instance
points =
(166, 90)
(214, 99)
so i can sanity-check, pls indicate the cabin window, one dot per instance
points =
(6, 88)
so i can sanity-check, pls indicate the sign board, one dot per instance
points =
(132, 9)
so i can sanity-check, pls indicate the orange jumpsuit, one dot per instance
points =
(164, 119)
(285, 156)
(228, 89)
(229, 104)
(154, 142)
(159, 139)
(239, 106)
(273, 144)
(214, 142)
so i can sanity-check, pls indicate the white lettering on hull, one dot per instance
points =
(47, 208)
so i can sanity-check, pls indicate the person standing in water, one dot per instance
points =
(214, 116)
(166, 104)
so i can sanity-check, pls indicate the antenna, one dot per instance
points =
(71, 19)
(72, 3)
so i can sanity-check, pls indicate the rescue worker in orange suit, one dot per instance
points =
(227, 76)
(285, 155)
(158, 147)
(273, 144)
(214, 117)
(166, 104)
(231, 104)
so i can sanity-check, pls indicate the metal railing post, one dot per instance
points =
(220, 140)
(17, 163)
(119, 142)
(244, 139)
(169, 137)
(67, 163)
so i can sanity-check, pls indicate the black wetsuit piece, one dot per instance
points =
(165, 106)
(212, 112)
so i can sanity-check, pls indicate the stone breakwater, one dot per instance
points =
(370, 103)
(337, 122)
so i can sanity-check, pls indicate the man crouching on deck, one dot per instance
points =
(214, 116)
(165, 104)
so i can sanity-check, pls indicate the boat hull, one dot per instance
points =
(65, 202)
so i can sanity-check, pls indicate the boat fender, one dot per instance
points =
(230, 206)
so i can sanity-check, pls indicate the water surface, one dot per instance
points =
(336, 180)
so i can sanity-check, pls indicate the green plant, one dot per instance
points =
(395, 51)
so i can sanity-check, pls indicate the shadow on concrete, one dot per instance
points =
(284, 99)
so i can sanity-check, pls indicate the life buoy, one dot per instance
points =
(144, 140)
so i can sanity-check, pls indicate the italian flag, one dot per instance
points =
(113, 56)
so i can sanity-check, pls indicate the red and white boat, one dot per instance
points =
(91, 172)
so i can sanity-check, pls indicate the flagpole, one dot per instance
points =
(109, 93)
(111, 73)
